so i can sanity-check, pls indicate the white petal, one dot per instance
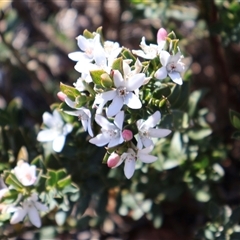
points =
(158, 133)
(129, 168)
(34, 217)
(89, 128)
(47, 135)
(18, 216)
(147, 158)
(152, 120)
(100, 140)
(70, 103)
(118, 79)
(85, 124)
(103, 122)
(139, 142)
(132, 101)
(40, 206)
(107, 96)
(176, 77)
(48, 119)
(58, 143)
(164, 57)
(67, 128)
(115, 106)
(161, 73)
(57, 118)
(142, 54)
(135, 82)
(118, 120)
(115, 141)
(147, 142)
(83, 43)
(99, 57)
(75, 56)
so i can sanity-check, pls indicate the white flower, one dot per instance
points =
(148, 51)
(123, 94)
(130, 157)
(87, 46)
(56, 131)
(30, 208)
(111, 133)
(146, 130)
(83, 114)
(171, 66)
(25, 173)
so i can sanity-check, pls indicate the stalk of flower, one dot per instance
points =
(83, 114)
(30, 207)
(56, 130)
(146, 130)
(171, 66)
(111, 133)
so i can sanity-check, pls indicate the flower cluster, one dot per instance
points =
(114, 89)
(26, 204)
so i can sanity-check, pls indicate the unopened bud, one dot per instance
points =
(127, 135)
(161, 35)
(61, 96)
(113, 160)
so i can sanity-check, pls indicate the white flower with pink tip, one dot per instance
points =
(131, 156)
(25, 173)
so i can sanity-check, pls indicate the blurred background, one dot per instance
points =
(36, 37)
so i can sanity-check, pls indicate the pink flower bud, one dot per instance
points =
(127, 135)
(61, 96)
(113, 160)
(161, 35)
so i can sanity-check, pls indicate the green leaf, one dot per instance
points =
(162, 90)
(71, 92)
(118, 65)
(235, 217)
(52, 178)
(61, 173)
(235, 118)
(213, 210)
(236, 135)
(13, 181)
(96, 76)
(127, 54)
(87, 34)
(106, 81)
(199, 134)
(64, 182)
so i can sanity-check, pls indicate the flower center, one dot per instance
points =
(82, 116)
(89, 51)
(122, 91)
(111, 133)
(171, 67)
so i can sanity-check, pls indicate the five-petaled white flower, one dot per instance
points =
(171, 66)
(88, 46)
(56, 131)
(123, 93)
(111, 133)
(25, 173)
(131, 156)
(30, 208)
(146, 130)
(148, 51)
(83, 114)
